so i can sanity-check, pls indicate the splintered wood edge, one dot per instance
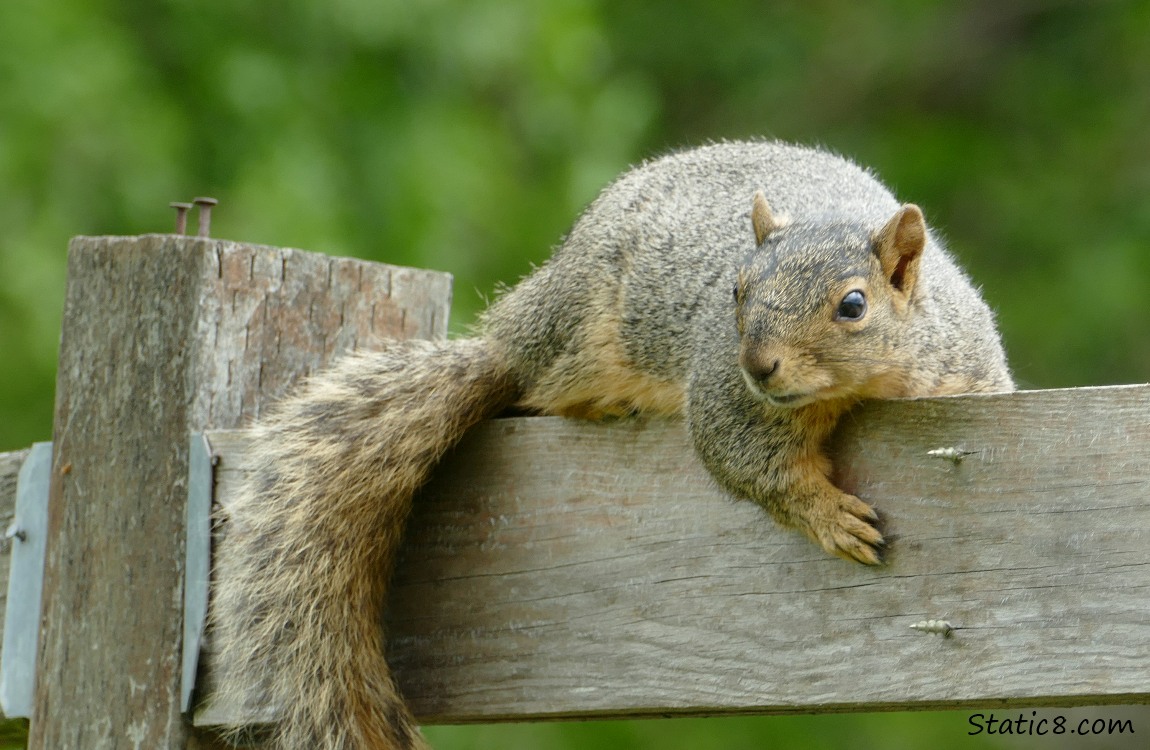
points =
(557, 568)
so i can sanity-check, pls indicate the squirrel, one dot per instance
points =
(758, 289)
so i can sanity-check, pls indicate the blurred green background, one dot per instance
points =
(466, 136)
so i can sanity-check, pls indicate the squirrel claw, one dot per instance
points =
(867, 552)
(848, 529)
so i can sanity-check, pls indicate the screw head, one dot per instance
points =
(205, 201)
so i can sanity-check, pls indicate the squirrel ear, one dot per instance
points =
(763, 221)
(899, 247)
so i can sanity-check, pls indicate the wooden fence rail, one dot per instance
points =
(558, 569)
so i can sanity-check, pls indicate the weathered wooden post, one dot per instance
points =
(165, 335)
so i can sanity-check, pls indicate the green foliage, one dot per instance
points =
(886, 731)
(466, 136)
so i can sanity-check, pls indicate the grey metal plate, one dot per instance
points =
(198, 560)
(25, 583)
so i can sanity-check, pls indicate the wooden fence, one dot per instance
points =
(557, 568)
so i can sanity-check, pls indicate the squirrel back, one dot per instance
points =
(759, 289)
(644, 279)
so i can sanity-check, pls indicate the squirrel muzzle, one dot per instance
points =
(772, 375)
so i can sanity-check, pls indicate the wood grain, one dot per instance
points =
(271, 316)
(557, 568)
(164, 335)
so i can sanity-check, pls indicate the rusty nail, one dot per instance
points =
(181, 216)
(205, 205)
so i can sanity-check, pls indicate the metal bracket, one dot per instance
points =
(26, 574)
(25, 584)
(197, 565)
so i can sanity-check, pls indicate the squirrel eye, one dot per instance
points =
(852, 307)
(735, 291)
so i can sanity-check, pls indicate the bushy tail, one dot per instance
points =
(310, 544)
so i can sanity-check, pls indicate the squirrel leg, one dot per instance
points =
(805, 499)
(774, 457)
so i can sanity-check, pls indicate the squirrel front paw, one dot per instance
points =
(842, 525)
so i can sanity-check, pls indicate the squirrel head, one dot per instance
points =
(822, 307)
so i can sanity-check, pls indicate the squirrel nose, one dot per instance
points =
(759, 368)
